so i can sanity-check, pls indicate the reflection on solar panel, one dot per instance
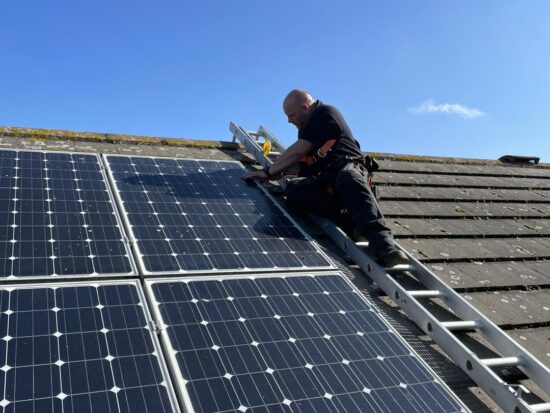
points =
(289, 344)
(57, 218)
(79, 349)
(192, 216)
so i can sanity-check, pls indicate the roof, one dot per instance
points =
(481, 225)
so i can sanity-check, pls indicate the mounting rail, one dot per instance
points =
(480, 370)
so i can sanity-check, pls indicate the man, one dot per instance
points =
(333, 184)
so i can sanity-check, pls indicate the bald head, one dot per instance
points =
(298, 107)
(299, 96)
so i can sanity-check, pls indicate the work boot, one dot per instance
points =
(392, 257)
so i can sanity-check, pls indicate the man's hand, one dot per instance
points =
(258, 175)
(292, 155)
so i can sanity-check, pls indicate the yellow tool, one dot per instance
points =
(266, 148)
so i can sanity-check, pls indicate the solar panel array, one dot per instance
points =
(257, 344)
(290, 344)
(79, 349)
(57, 218)
(196, 216)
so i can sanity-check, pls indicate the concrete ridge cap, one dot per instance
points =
(450, 160)
(59, 134)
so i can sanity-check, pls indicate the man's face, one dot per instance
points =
(297, 114)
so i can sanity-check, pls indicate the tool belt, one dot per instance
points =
(370, 166)
(365, 162)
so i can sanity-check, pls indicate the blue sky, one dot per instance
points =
(450, 78)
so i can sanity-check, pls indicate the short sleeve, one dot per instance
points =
(323, 128)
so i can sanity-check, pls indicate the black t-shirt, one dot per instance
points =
(326, 123)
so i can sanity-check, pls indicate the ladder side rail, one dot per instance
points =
(465, 358)
(274, 140)
(498, 338)
(541, 407)
(250, 144)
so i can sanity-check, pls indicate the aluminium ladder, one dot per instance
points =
(480, 370)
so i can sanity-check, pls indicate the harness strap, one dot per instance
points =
(321, 153)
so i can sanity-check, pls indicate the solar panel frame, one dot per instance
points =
(151, 327)
(112, 201)
(169, 348)
(133, 239)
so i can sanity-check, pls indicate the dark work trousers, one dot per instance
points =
(352, 206)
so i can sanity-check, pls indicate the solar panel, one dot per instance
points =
(196, 216)
(80, 348)
(57, 218)
(289, 343)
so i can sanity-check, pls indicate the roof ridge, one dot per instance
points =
(450, 160)
(41, 134)
(56, 134)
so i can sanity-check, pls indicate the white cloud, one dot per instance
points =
(465, 112)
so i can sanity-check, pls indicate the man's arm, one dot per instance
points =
(295, 152)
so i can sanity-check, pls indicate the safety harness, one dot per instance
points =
(322, 152)
(365, 162)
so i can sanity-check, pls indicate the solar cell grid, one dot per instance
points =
(57, 217)
(79, 349)
(294, 343)
(192, 216)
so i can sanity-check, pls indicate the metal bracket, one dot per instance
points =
(154, 326)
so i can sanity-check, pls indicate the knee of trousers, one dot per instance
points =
(292, 193)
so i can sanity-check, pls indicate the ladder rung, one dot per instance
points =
(502, 362)
(426, 293)
(274, 153)
(397, 268)
(541, 407)
(400, 268)
(460, 325)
